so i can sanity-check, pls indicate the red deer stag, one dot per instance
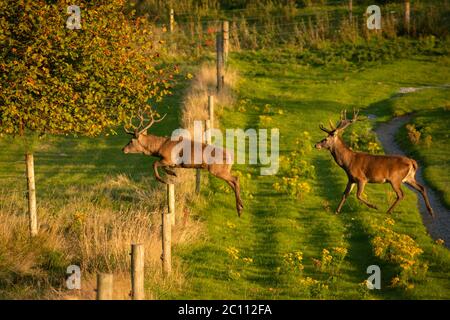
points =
(362, 168)
(163, 147)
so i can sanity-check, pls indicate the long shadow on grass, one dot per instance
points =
(264, 216)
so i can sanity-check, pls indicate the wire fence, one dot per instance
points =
(52, 166)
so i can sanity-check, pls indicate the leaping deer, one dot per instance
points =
(362, 168)
(162, 147)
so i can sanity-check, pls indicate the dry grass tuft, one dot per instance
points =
(195, 104)
(92, 231)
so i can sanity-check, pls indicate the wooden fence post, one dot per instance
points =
(198, 171)
(350, 10)
(171, 202)
(32, 211)
(137, 272)
(211, 110)
(198, 175)
(208, 133)
(407, 15)
(225, 39)
(166, 244)
(171, 21)
(219, 62)
(104, 286)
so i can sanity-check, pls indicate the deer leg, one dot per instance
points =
(423, 191)
(347, 191)
(360, 186)
(398, 190)
(234, 184)
(238, 192)
(157, 164)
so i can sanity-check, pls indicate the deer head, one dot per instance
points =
(333, 133)
(136, 144)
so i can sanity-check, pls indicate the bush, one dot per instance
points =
(413, 134)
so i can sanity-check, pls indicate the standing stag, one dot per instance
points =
(362, 168)
(163, 147)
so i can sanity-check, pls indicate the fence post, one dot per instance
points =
(225, 39)
(407, 15)
(166, 243)
(137, 272)
(211, 110)
(171, 21)
(198, 175)
(104, 286)
(219, 62)
(29, 159)
(350, 9)
(198, 171)
(208, 133)
(171, 202)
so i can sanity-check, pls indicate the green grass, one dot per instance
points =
(74, 175)
(274, 224)
(62, 161)
(434, 157)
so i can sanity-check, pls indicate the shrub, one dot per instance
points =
(293, 261)
(413, 134)
(399, 249)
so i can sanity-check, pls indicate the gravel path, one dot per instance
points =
(439, 227)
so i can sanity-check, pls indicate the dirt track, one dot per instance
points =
(439, 227)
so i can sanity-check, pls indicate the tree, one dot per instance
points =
(82, 81)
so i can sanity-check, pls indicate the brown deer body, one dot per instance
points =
(163, 148)
(362, 168)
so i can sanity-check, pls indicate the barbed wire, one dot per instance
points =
(265, 27)
(324, 8)
(261, 17)
(325, 16)
(196, 10)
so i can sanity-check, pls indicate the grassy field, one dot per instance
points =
(93, 202)
(276, 250)
(257, 256)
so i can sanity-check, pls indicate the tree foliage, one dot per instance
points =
(59, 81)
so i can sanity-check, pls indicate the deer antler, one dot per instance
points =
(344, 122)
(325, 129)
(152, 122)
(141, 116)
(333, 128)
(130, 124)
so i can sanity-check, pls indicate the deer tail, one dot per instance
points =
(414, 164)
